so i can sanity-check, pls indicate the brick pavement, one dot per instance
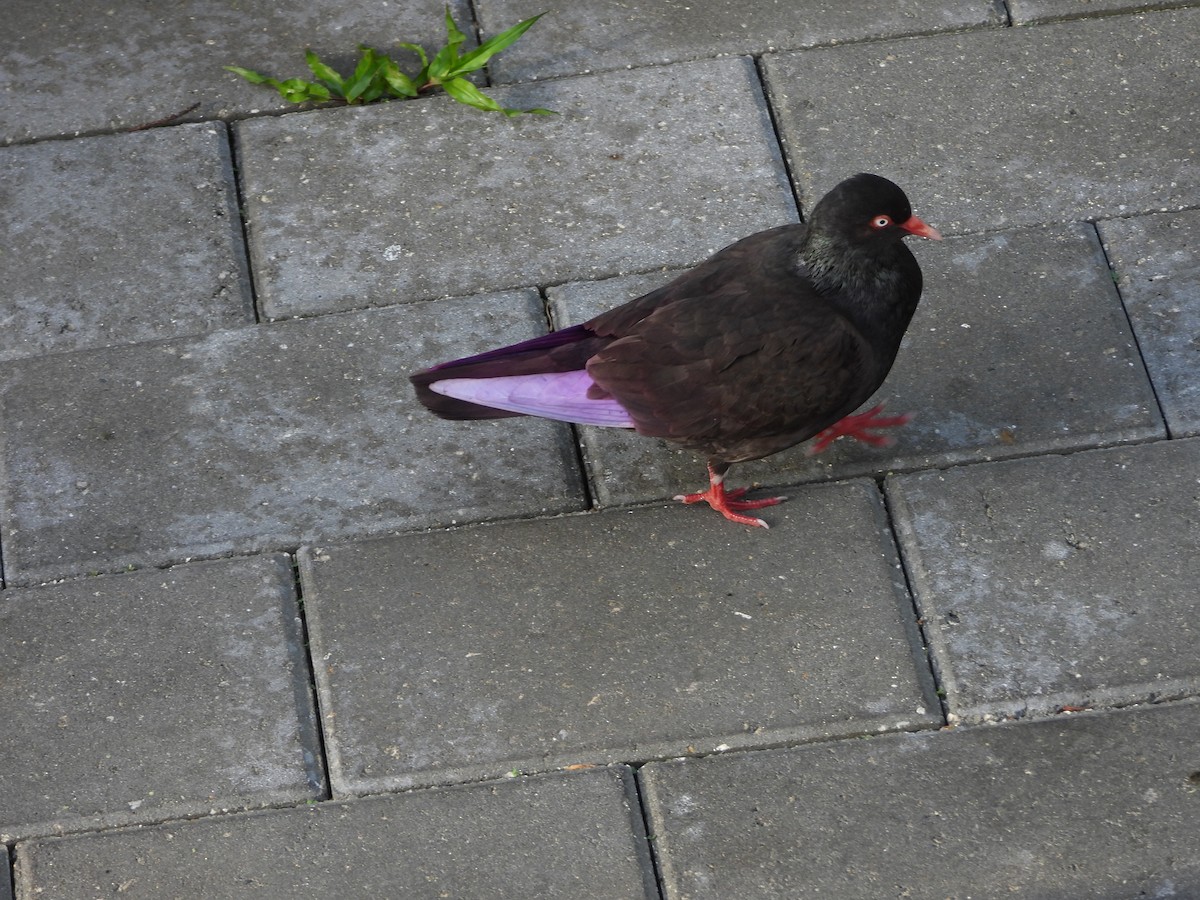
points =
(268, 629)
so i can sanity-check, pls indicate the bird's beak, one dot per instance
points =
(920, 229)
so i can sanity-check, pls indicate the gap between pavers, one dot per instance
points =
(1003, 358)
(264, 438)
(349, 208)
(1097, 805)
(120, 239)
(152, 695)
(1057, 581)
(574, 835)
(610, 34)
(1004, 127)
(1154, 261)
(622, 636)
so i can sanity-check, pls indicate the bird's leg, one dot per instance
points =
(861, 427)
(728, 503)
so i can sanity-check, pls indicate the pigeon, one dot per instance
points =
(771, 341)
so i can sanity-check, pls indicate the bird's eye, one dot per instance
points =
(881, 222)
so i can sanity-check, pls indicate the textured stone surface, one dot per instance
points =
(1158, 275)
(1074, 120)
(362, 207)
(1025, 12)
(1058, 581)
(562, 836)
(264, 438)
(132, 698)
(613, 34)
(1020, 345)
(68, 67)
(1089, 806)
(113, 240)
(625, 635)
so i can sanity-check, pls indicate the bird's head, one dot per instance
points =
(868, 210)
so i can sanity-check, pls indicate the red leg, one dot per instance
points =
(861, 427)
(727, 503)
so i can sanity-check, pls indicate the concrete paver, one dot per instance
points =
(263, 438)
(118, 239)
(611, 34)
(1057, 581)
(366, 207)
(567, 836)
(1099, 805)
(1004, 127)
(1027, 12)
(979, 388)
(629, 635)
(68, 68)
(1159, 279)
(131, 698)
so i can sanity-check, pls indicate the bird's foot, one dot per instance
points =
(729, 503)
(862, 427)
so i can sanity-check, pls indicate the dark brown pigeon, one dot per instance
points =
(775, 339)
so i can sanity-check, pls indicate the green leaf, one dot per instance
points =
(419, 50)
(465, 92)
(249, 75)
(324, 72)
(363, 77)
(399, 83)
(489, 48)
(446, 60)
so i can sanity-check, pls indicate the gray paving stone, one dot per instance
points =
(132, 698)
(1004, 358)
(577, 835)
(1002, 127)
(119, 239)
(1025, 12)
(640, 169)
(621, 636)
(68, 68)
(5, 877)
(1058, 581)
(1159, 279)
(263, 438)
(611, 34)
(1087, 806)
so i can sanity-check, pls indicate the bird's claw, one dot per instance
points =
(862, 427)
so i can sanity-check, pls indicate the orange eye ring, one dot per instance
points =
(881, 222)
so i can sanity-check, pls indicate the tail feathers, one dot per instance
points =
(551, 395)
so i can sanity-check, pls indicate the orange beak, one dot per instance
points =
(920, 229)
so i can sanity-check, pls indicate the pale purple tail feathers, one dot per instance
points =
(552, 395)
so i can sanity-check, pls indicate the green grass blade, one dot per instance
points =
(250, 75)
(465, 92)
(478, 57)
(324, 72)
(400, 85)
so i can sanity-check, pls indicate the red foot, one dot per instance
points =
(860, 426)
(727, 503)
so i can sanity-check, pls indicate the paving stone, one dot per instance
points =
(1025, 12)
(1002, 359)
(137, 697)
(1058, 581)
(119, 239)
(1001, 127)
(5, 877)
(661, 167)
(577, 835)
(264, 438)
(612, 34)
(1159, 279)
(1088, 806)
(620, 636)
(131, 63)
